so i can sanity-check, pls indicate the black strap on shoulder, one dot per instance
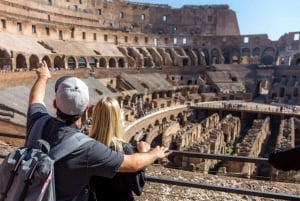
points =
(36, 131)
(62, 149)
(68, 146)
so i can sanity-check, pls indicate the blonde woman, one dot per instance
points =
(107, 129)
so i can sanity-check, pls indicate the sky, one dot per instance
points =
(271, 17)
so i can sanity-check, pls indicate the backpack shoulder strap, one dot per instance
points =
(36, 131)
(68, 146)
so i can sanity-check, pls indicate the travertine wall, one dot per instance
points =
(147, 35)
(286, 134)
(251, 145)
(210, 136)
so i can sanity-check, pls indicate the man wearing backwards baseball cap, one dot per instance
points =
(72, 173)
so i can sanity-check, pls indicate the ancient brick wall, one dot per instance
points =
(251, 145)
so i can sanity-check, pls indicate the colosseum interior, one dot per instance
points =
(185, 78)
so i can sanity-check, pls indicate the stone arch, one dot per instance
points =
(82, 63)
(48, 61)
(120, 101)
(21, 62)
(281, 92)
(206, 55)
(245, 58)
(180, 118)
(296, 59)
(157, 140)
(93, 62)
(33, 62)
(135, 98)
(71, 63)
(169, 52)
(256, 51)
(103, 63)
(193, 56)
(198, 54)
(164, 120)
(155, 95)
(256, 55)
(267, 59)
(215, 56)
(246, 52)
(185, 62)
(262, 87)
(194, 90)
(268, 56)
(121, 63)
(127, 100)
(172, 117)
(296, 93)
(5, 61)
(59, 63)
(235, 56)
(148, 61)
(226, 56)
(112, 63)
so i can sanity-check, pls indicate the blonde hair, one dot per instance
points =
(106, 123)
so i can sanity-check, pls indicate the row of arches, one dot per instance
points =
(150, 57)
(245, 55)
(186, 56)
(23, 62)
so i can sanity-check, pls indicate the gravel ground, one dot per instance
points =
(156, 192)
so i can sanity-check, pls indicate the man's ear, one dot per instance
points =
(54, 104)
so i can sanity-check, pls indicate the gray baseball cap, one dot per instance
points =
(72, 95)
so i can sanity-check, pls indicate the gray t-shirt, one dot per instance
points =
(72, 173)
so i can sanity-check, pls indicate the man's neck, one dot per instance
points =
(77, 124)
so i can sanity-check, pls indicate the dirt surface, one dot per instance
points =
(156, 192)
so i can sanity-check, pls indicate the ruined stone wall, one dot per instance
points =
(251, 146)
(42, 17)
(231, 127)
(159, 18)
(209, 136)
(285, 140)
(285, 87)
(286, 134)
(122, 16)
(210, 33)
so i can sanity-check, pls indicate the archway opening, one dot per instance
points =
(82, 62)
(5, 61)
(71, 63)
(21, 63)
